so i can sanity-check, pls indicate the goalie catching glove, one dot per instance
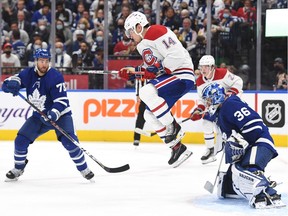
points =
(53, 115)
(197, 113)
(12, 85)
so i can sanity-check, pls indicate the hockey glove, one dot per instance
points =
(235, 148)
(156, 69)
(197, 113)
(12, 85)
(126, 73)
(53, 115)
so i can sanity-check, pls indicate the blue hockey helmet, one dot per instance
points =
(42, 53)
(213, 95)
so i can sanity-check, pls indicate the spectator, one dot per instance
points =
(63, 61)
(123, 48)
(44, 30)
(243, 72)
(18, 46)
(64, 14)
(87, 16)
(171, 19)
(36, 36)
(99, 5)
(202, 15)
(23, 23)
(99, 41)
(125, 11)
(24, 37)
(29, 55)
(44, 14)
(187, 34)
(83, 58)
(199, 50)
(98, 61)
(82, 25)
(9, 60)
(65, 34)
(20, 7)
(118, 33)
(78, 14)
(80, 36)
(281, 74)
(224, 31)
(92, 33)
(190, 5)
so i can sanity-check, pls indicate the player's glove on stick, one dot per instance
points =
(12, 85)
(53, 115)
(197, 113)
(155, 70)
(127, 73)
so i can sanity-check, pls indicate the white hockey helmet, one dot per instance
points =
(207, 60)
(132, 20)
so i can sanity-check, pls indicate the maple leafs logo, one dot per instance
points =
(37, 99)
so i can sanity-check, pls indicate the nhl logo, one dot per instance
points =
(273, 113)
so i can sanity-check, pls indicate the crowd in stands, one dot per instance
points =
(26, 26)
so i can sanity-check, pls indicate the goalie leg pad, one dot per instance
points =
(248, 184)
(224, 185)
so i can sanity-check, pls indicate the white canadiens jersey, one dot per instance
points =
(225, 78)
(162, 45)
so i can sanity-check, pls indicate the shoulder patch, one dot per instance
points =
(155, 31)
(220, 73)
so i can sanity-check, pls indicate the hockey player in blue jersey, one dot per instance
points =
(248, 148)
(45, 87)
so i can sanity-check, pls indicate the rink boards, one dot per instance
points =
(110, 115)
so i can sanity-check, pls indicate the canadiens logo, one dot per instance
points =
(273, 113)
(148, 56)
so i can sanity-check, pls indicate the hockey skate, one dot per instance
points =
(265, 201)
(88, 174)
(14, 174)
(172, 131)
(179, 154)
(208, 156)
(136, 143)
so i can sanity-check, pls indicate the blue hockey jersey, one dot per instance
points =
(46, 92)
(234, 114)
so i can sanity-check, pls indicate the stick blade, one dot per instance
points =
(117, 169)
(209, 187)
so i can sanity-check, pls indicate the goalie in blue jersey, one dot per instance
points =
(45, 88)
(248, 148)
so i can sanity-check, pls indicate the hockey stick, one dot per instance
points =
(150, 134)
(208, 185)
(108, 169)
(95, 72)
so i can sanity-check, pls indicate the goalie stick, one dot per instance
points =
(208, 185)
(150, 134)
(107, 169)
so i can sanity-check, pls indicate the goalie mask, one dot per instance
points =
(131, 22)
(213, 95)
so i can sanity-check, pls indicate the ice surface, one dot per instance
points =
(51, 185)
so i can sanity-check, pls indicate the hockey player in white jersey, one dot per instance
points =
(168, 66)
(248, 148)
(209, 74)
